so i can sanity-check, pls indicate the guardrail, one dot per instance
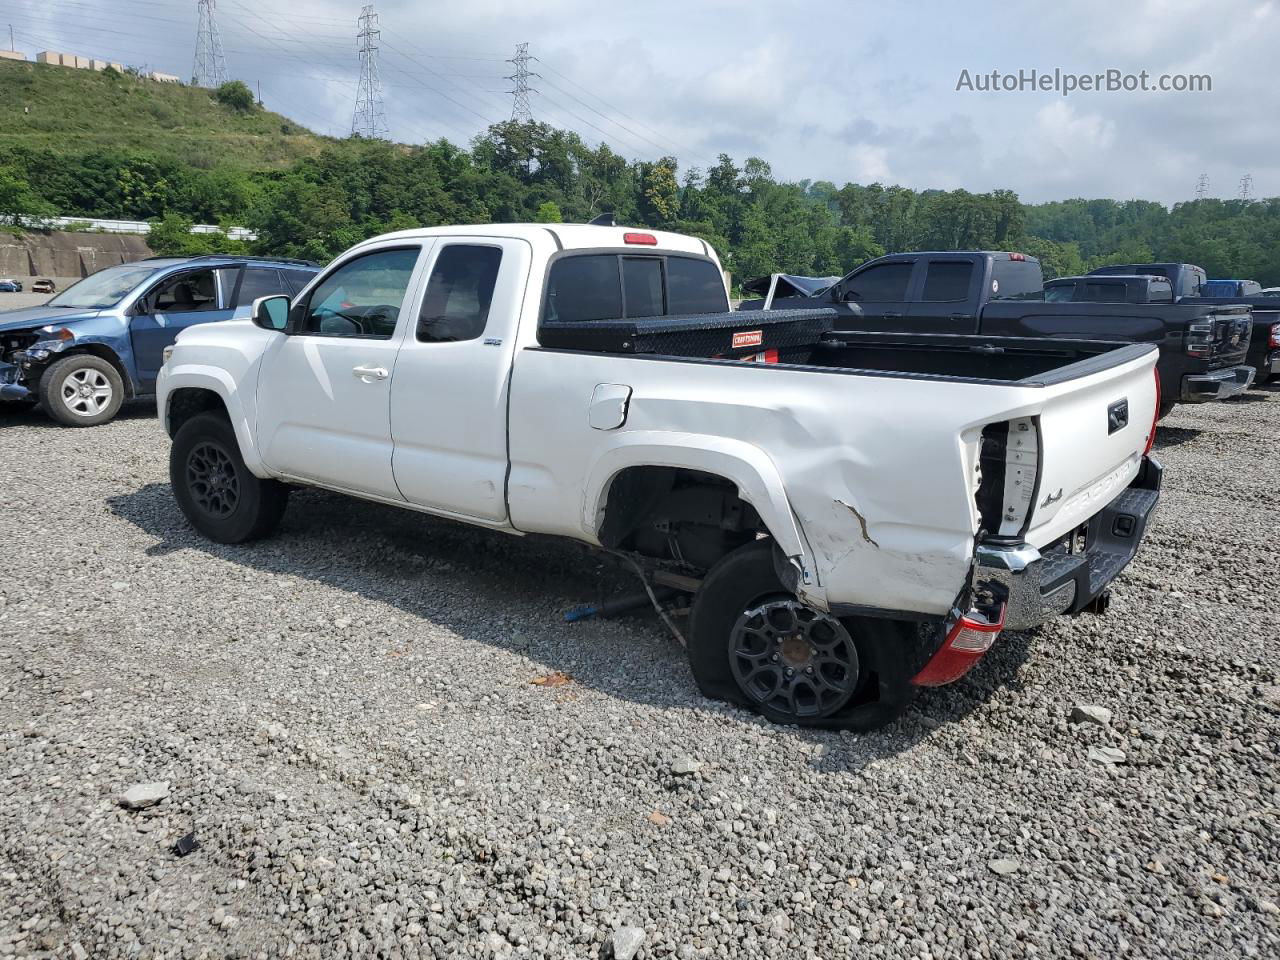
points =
(133, 226)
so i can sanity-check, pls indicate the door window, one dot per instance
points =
(260, 282)
(947, 280)
(186, 293)
(362, 297)
(1095, 292)
(456, 305)
(888, 281)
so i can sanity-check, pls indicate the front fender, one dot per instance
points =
(196, 376)
(746, 466)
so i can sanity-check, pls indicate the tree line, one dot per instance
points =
(353, 189)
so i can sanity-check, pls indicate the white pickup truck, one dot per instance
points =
(854, 515)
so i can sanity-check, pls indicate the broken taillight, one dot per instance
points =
(967, 642)
(1155, 417)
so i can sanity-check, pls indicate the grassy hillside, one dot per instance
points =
(68, 109)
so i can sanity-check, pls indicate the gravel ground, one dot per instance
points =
(347, 719)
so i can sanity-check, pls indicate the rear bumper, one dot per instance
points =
(1036, 586)
(1217, 384)
(1270, 367)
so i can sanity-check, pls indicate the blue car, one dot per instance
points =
(101, 341)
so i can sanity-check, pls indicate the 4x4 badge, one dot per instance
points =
(1052, 498)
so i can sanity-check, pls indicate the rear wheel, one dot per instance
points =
(754, 644)
(216, 492)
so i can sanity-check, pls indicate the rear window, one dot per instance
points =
(1095, 292)
(1016, 279)
(695, 286)
(1059, 292)
(297, 279)
(947, 280)
(610, 286)
(259, 282)
(642, 286)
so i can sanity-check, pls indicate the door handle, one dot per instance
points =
(370, 374)
(892, 316)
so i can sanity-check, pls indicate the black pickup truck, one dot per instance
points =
(1202, 345)
(1191, 287)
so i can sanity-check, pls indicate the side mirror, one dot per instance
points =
(271, 313)
(851, 296)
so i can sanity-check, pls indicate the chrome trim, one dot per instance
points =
(1013, 573)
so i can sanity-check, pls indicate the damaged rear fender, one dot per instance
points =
(745, 466)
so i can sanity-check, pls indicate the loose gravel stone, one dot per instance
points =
(396, 787)
(1085, 713)
(1107, 755)
(1003, 867)
(143, 795)
(625, 943)
(685, 766)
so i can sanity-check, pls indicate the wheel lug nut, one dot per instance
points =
(808, 670)
(774, 658)
(791, 673)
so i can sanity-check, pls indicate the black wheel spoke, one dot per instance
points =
(212, 479)
(798, 662)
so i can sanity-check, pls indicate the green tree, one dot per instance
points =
(548, 212)
(235, 95)
(19, 203)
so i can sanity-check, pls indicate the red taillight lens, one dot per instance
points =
(1018, 256)
(1155, 417)
(966, 643)
(647, 239)
(1275, 335)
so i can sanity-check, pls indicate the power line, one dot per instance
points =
(210, 67)
(520, 109)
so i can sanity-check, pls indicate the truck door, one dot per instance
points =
(946, 296)
(449, 395)
(175, 303)
(876, 298)
(324, 388)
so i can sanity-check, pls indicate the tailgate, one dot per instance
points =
(1092, 438)
(1221, 336)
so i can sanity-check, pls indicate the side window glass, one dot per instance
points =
(584, 288)
(456, 304)
(1059, 293)
(1104, 292)
(362, 297)
(947, 280)
(642, 286)
(297, 279)
(260, 282)
(187, 293)
(888, 281)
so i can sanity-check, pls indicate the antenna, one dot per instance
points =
(1246, 187)
(210, 68)
(370, 119)
(520, 111)
(1202, 186)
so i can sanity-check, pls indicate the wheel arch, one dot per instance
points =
(103, 352)
(748, 469)
(186, 392)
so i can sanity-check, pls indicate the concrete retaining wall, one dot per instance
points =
(60, 254)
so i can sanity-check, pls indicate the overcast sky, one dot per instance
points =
(840, 90)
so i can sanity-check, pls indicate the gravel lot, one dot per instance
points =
(345, 718)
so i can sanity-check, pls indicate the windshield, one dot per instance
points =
(103, 289)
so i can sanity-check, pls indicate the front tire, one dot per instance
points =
(216, 492)
(81, 390)
(754, 644)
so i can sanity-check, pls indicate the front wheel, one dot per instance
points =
(81, 390)
(216, 492)
(754, 644)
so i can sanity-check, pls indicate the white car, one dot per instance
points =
(854, 515)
